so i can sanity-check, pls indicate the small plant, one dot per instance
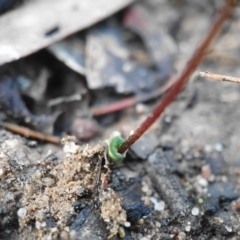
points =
(118, 146)
(114, 143)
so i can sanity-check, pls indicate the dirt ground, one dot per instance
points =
(179, 181)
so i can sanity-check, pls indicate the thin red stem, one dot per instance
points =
(182, 79)
(128, 102)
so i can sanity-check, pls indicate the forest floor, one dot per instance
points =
(181, 180)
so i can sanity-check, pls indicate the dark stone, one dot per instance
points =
(224, 192)
(50, 223)
(136, 211)
(80, 219)
(216, 163)
(211, 205)
(145, 146)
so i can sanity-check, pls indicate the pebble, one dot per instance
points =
(188, 228)
(181, 236)
(195, 211)
(224, 179)
(168, 119)
(229, 229)
(32, 143)
(140, 222)
(121, 232)
(73, 234)
(158, 206)
(64, 235)
(8, 231)
(211, 178)
(219, 147)
(208, 148)
(140, 108)
(11, 143)
(127, 224)
(146, 190)
(71, 148)
(22, 212)
(206, 171)
(202, 181)
(38, 225)
(38, 174)
(9, 197)
(158, 224)
(1, 172)
(220, 220)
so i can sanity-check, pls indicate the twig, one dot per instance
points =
(30, 133)
(182, 79)
(131, 101)
(219, 77)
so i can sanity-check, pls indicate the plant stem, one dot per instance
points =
(219, 77)
(182, 79)
(128, 102)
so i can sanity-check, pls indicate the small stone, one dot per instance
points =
(224, 179)
(121, 232)
(211, 205)
(84, 129)
(195, 211)
(1, 172)
(140, 108)
(158, 224)
(168, 119)
(9, 197)
(188, 228)
(206, 171)
(127, 224)
(146, 190)
(211, 178)
(229, 229)
(8, 231)
(64, 235)
(32, 143)
(158, 206)
(38, 225)
(48, 181)
(22, 212)
(220, 220)
(73, 234)
(140, 222)
(208, 148)
(11, 143)
(219, 147)
(44, 224)
(200, 201)
(71, 148)
(202, 181)
(38, 174)
(182, 236)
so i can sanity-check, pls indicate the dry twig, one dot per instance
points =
(219, 77)
(30, 133)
